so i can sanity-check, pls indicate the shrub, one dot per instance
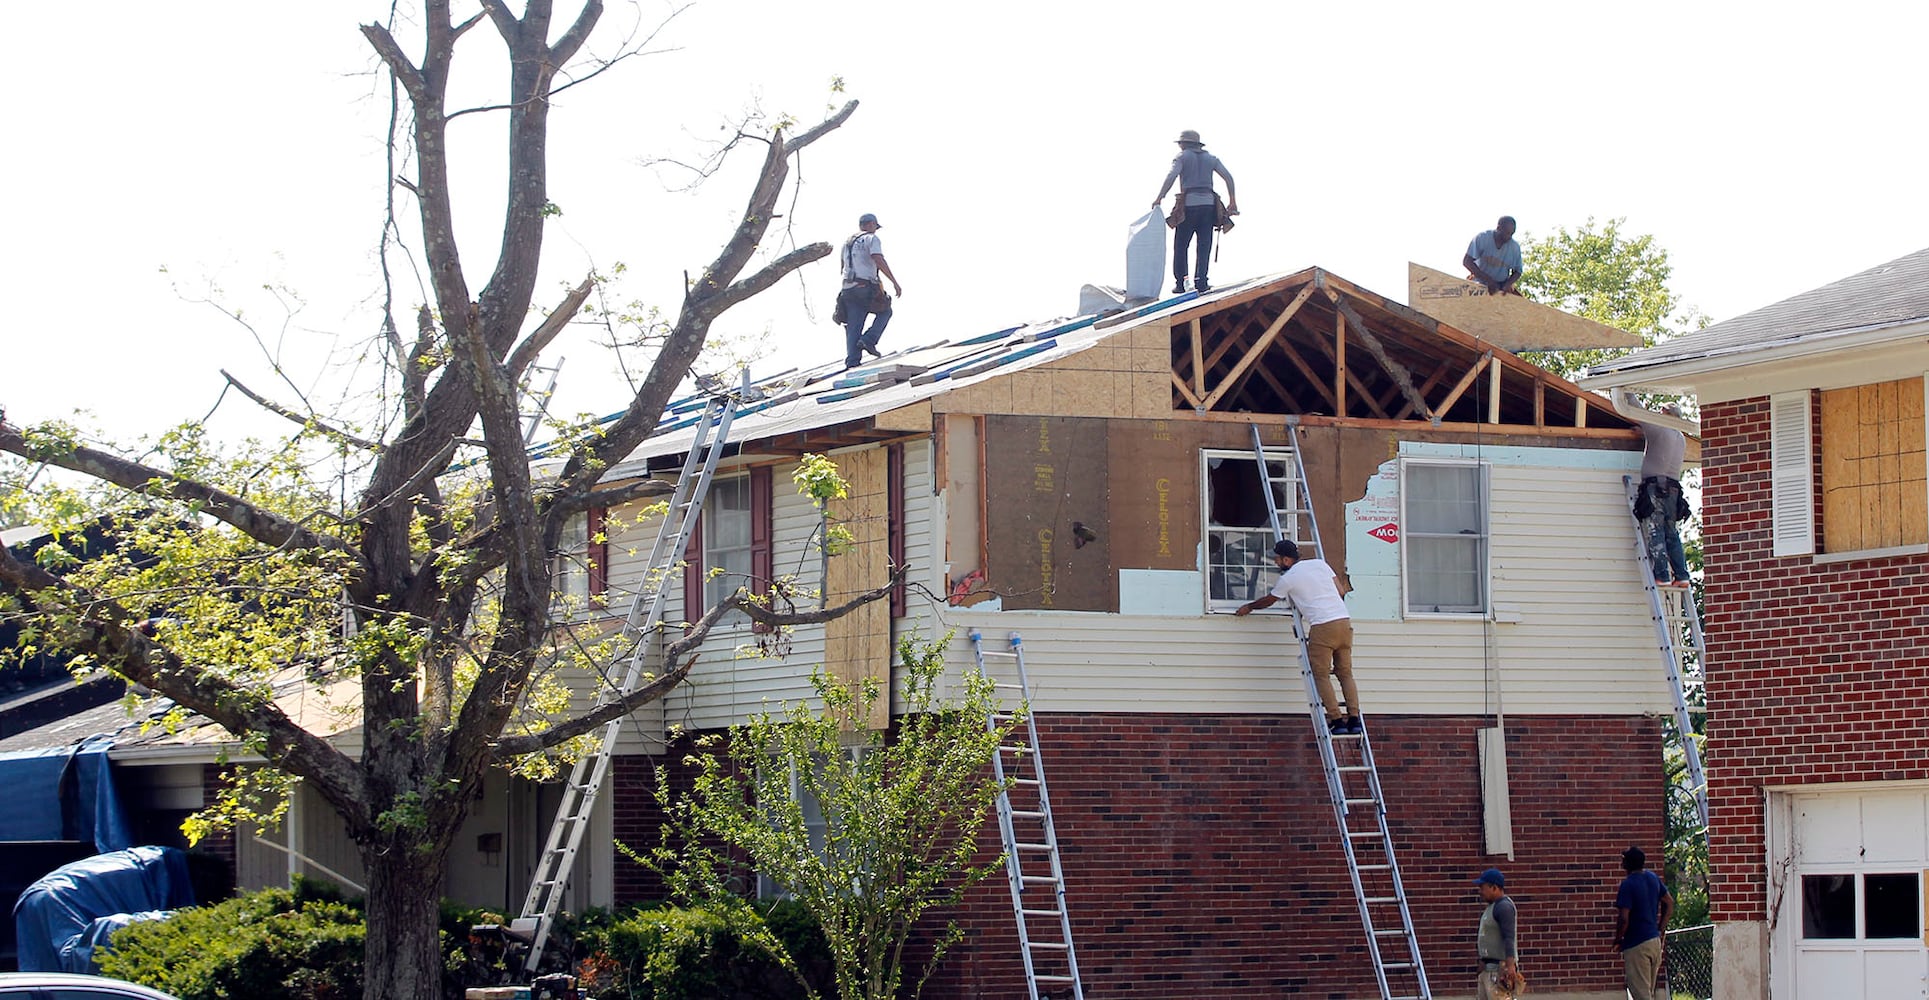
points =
(676, 953)
(276, 942)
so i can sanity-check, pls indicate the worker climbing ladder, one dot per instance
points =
(1677, 629)
(1031, 841)
(586, 779)
(1352, 780)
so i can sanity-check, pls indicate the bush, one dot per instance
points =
(274, 943)
(674, 953)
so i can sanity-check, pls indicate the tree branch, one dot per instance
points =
(397, 61)
(532, 346)
(263, 526)
(764, 616)
(107, 631)
(305, 421)
(770, 274)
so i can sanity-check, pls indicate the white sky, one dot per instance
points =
(1006, 146)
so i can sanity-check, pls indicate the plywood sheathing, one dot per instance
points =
(915, 417)
(1121, 376)
(1506, 321)
(1043, 475)
(858, 645)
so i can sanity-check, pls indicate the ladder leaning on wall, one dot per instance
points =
(1677, 631)
(1031, 864)
(586, 779)
(1352, 780)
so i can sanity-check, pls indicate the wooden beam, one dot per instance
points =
(1631, 435)
(1359, 388)
(1312, 378)
(1379, 352)
(1580, 411)
(1186, 391)
(1493, 392)
(1339, 364)
(1460, 387)
(1285, 396)
(1198, 361)
(1540, 403)
(1232, 379)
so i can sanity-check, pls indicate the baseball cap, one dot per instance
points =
(1492, 876)
(872, 219)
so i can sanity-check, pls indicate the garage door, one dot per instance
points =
(1852, 915)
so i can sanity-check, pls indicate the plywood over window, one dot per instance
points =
(1873, 474)
(858, 646)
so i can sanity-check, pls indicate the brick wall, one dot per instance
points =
(1816, 671)
(1201, 855)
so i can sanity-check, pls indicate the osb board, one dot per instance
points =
(858, 645)
(1506, 321)
(1154, 494)
(1042, 475)
(962, 472)
(1121, 377)
(1873, 466)
(915, 417)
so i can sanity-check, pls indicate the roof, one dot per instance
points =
(807, 399)
(1887, 295)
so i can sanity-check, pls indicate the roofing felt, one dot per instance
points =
(1885, 295)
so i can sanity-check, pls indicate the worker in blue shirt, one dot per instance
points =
(1493, 258)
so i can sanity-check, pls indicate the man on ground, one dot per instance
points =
(1499, 954)
(1642, 908)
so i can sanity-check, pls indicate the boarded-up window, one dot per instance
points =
(1873, 477)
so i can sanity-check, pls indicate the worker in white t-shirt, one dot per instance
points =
(1316, 591)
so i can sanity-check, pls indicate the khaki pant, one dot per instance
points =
(1484, 987)
(1640, 965)
(1330, 646)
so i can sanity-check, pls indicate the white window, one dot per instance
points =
(1239, 531)
(817, 828)
(570, 595)
(726, 541)
(1443, 534)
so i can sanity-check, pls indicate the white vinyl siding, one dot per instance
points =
(1791, 474)
(1444, 536)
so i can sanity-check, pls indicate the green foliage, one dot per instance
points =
(275, 943)
(697, 953)
(1607, 275)
(899, 817)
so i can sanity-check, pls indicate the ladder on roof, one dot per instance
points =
(1352, 780)
(1677, 629)
(586, 779)
(1031, 863)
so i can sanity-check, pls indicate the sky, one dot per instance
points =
(174, 166)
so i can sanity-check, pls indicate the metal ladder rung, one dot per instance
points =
(1034, 847)
(1047, 945)
(1053, 979)
(1026, 814)
(1363, 834)
(1043, 913)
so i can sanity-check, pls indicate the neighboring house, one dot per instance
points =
(1491, 553)
(1815, 533)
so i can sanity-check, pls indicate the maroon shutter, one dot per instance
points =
(599, 555)
(761, 528)
(894, 506)
(692, 570)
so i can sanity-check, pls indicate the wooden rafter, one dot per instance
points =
(1186, 391)
(1460, 387)
(1198, 364)
(1258, 348)
(1400, 375)
(1339, 364)
(1359, 388)
(1285, 395)
(1312, 377)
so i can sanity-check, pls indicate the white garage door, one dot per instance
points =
(1852, 914)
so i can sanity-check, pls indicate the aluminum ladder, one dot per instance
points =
(586, 779)
(1040, 846)
(1352, 780)
(1677, 630)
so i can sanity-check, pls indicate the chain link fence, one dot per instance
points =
(1690, 967)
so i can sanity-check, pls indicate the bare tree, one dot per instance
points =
(257, 560)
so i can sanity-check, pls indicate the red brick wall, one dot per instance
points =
(1202, 859)
(1816, 672)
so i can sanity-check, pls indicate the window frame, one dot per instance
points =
(696, 550)
(1483, 539)
(579, 580)
(1290, 527)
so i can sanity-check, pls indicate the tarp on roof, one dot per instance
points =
(65, 794)
(62, 917)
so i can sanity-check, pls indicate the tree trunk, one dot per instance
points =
(403, 952)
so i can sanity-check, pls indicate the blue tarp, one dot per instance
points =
(62, 917)
(62, 795)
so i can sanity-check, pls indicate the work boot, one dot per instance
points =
(1178, 286)
(871, 349)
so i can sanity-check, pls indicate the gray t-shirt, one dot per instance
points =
(859, 268)
(1193, 169)
(1666, 449)
(1497, 930)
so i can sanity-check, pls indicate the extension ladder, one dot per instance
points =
(1040, 847)
(1352, 780)
(586, 779)
(1677, 629)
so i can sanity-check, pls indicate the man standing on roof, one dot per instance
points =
(1642, 908)
(1499, 952)
(1316, 592)
(1493, 258)
(863, 291)
(1660, 503)
(1193, 169)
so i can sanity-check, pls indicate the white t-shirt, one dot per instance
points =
(858, 265)
(1314, 589)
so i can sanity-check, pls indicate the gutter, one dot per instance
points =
(1804, 346)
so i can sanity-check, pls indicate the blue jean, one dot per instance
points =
(1197, 225)
(1664, 539)
(856, 307)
